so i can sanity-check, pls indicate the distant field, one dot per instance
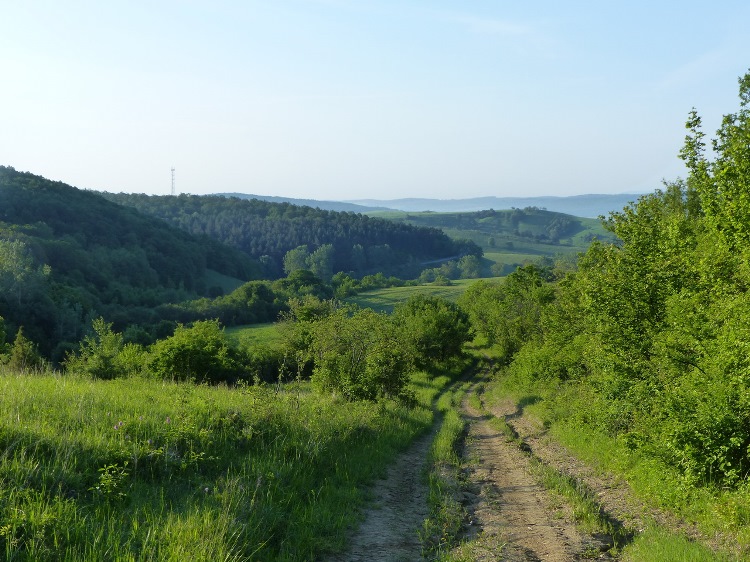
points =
(384, 300)
(511, 237)
(255, 334)
(380, 300)
(216, 279)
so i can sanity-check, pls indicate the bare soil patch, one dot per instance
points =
(390, 530)
(512, 517)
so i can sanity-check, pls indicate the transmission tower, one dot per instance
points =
(172, 180)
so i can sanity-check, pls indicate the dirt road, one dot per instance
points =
(507, 506)
(510, 515)
(390, 530)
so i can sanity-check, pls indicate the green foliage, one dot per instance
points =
(436, 328)
(20, 277)
(296, 259)
(250, 303)
(24, 356)
(470, 267)
(105, 354)
(199, 352)
(359, 354)
(303, 282)
(653, 329)
(508, 314)
(321, 261)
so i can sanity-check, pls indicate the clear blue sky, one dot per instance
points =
(349, 99)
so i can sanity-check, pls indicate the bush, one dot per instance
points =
(436, 328)
(24, 355)
(99, 354)
(200, 352)
(361, 355)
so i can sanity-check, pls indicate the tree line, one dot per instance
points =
(356, 353)
(352, 242)
(649, 335)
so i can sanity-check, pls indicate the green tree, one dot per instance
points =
(99, 353)
(470, 267)
(320, 262)
(303, 282)
(436, 328)
(361, 355)
(296, 259)
(450, 270)
(20, 278)
(24, 355)
(508, 314)
(200, 352)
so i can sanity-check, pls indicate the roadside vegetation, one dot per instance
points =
(125, 456)
(636, 358)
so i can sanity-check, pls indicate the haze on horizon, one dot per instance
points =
(356, 99)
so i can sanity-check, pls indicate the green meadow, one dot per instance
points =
(384, 300)
(137, 469)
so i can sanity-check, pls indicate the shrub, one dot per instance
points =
(437, 328)
(24, 355)
(104, 355)
(361, 355)
(199, 352)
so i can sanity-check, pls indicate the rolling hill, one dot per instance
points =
(589, 206)
(69, 255)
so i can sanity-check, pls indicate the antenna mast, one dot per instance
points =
(172, 180)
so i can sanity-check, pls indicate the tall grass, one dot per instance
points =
(442, 528)
(141, 470)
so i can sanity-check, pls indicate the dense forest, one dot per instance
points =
(646, 340)
(531, 222)
(68, 255)
(351, 242)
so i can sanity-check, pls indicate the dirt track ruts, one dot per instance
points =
(390, 529)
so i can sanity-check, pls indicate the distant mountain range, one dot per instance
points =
(588, 206)
(324, 205)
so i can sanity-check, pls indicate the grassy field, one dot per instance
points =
(255, 334)
(135, 469)
(384, 300)
(216, 279)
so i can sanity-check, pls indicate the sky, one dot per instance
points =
(364, 99)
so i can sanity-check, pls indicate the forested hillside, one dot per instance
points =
(267, 231)
(490, 228)
(647, 341)
(68, 255)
